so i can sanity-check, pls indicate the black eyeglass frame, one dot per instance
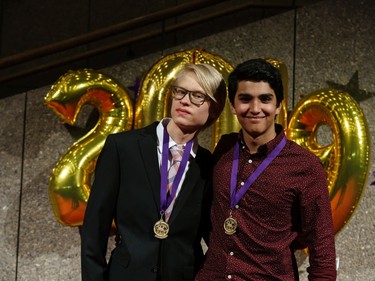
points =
(191, 95)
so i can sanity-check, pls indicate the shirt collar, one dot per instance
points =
(267, 147)
(159, 132)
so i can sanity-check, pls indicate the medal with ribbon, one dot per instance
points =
(230, 224)
(161, 227)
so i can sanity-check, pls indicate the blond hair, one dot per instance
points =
(212, 83)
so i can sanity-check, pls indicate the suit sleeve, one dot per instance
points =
(99, 214)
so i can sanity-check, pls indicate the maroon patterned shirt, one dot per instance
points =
(287, 207)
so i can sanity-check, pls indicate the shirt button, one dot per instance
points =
(231, 253)
(236, 206)
(250, 161)
(229, 276)
(242, 183)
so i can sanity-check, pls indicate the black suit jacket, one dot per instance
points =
(127, 189)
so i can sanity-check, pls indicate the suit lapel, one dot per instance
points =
(149, 155)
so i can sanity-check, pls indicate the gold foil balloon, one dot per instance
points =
(70, 183)
(346, 158)
(154, 98)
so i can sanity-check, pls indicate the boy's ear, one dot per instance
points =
(278, 109)
(232, 109)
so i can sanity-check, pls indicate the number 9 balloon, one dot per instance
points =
(346, 160)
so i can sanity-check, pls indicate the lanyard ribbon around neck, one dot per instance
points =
(235, 197)
(166, 200)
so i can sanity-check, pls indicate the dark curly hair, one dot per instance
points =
(256, 70)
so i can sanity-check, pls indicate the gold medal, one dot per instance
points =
(230, 225)
(161, 229)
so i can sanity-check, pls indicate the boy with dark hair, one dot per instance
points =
(269, 192)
